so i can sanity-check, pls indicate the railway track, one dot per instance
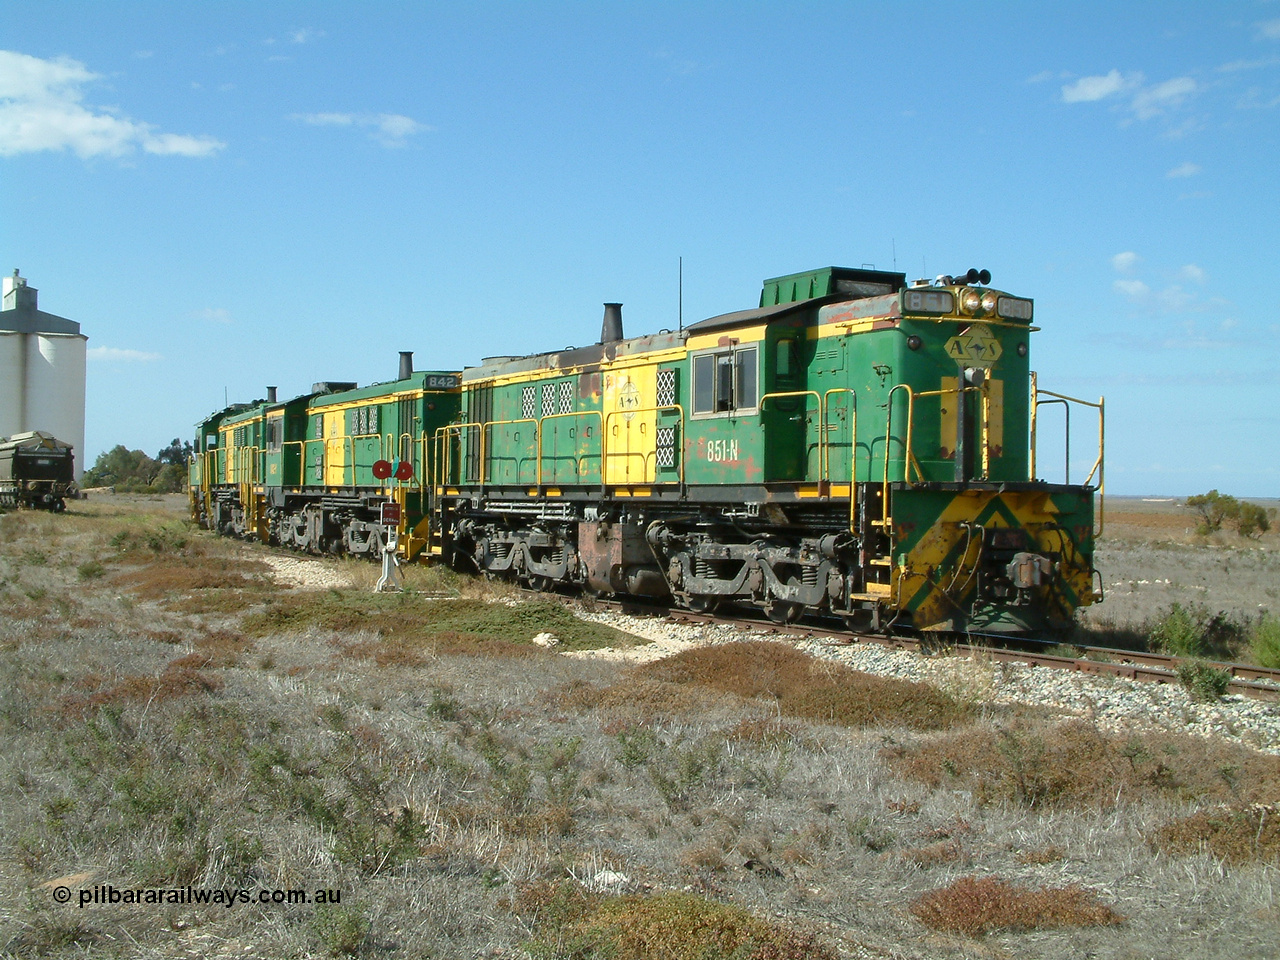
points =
(1261, 683)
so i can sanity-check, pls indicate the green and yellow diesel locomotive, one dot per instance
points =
(314, 473)
(853, 446)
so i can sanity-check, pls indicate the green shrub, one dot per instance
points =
(1253, 520)
(90, 570)
(1265, 641)
(1215, 508)
(341, 929)
(1205, 683)
(1179, 632)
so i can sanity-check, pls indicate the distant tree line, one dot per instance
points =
(132, 471)
(1215, 509)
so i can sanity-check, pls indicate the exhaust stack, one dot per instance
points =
(271, 394)
(406, 364)
(611, 329)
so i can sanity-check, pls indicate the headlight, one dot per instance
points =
(928, 301)
(988, 302)
(1011, 308)
(970, 301)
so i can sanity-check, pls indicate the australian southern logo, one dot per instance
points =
(976, 347)
(629, 398)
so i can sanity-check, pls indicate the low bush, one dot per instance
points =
(674, 926)
(810, 689)
(410, 621)
(974, 907)
(1193, 631)
(1236, 834)
(343, 930)
(1037, 764)
(1204, 682)
(180, 678)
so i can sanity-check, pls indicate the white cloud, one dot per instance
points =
(1184, 170)
(1270, 29)
(305, 35)
(1124, 262)
(1193, 273)
(389, 129)
(1089, 89)
(1257, 98)
(118, 354)
(1146, 101)
(1041, 77)
(213, 315)
(1134, 289)
(1235, 66)
(41, 109)
(1153, 101)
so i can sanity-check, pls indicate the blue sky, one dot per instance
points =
(228, 195)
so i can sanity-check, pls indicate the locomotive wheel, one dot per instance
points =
(540, 583)
(702, 603)
(783, 611)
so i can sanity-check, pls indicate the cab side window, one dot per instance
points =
(725, 381)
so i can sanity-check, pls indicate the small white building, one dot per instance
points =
(42, 369)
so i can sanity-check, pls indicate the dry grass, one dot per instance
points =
(974, 907)
(1040, 763)
(440, 772)
(934, 854)
(1041, 855)
(1236, 834)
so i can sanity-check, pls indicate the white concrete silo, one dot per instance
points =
(42, 369)
(13, 365)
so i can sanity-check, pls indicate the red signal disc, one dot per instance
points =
(382, 469)
(404, 470)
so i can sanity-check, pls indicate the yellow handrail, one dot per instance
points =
(822, 433)
(442, 458)
(853, 449)
(1099, 467)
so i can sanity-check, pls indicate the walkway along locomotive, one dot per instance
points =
(852, 446)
